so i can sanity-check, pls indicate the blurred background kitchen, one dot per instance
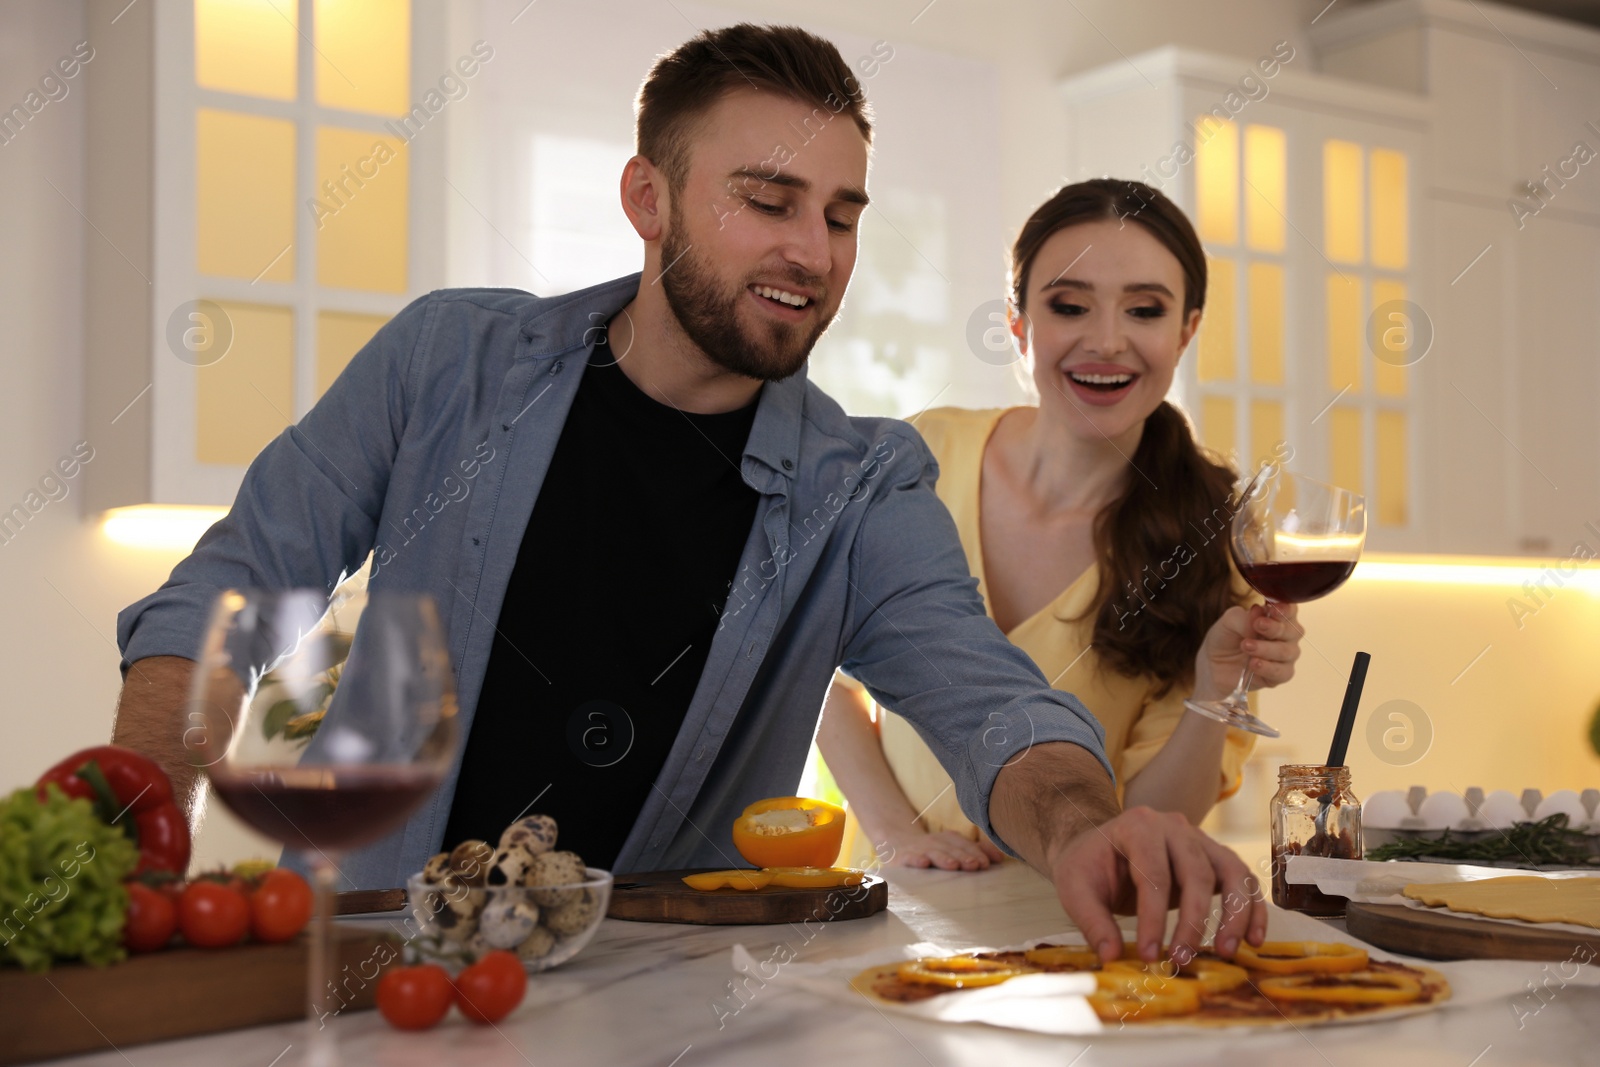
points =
(1401, 199)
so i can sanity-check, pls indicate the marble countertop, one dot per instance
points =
(657, 994)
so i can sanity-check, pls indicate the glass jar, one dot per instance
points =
(1303, 792)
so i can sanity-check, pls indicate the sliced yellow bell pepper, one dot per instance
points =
(790, 832)
(1355, 987)
(812, 877)
(958, 972)
(1301, 957)
(738, 879)
(1081, 958)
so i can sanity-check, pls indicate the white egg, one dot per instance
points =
(1501, 810)
(1441, 811)
(1565, 801)
(1385, 809)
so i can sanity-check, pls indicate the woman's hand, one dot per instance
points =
(946, 850)
(1268, 644)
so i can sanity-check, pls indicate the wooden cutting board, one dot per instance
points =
(175, 993)
(661, 897)
(1439, 936)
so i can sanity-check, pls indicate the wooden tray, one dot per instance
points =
(661, 897)
(1437, 936)
(177, 992)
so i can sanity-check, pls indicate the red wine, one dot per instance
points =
(325, 807)
(1297, 581)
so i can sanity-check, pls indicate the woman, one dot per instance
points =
(1097, 530)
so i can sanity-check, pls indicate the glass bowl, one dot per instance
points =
(455, 924)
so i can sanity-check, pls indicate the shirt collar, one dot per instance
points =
(565, 323)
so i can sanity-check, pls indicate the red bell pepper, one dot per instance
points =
(130, 790)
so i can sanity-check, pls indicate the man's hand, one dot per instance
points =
(1143, 862)
(1054, 806)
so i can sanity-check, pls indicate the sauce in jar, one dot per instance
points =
(1303, 789)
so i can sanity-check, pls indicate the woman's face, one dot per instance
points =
(1103, 327)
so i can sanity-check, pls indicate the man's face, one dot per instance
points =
(761, 240)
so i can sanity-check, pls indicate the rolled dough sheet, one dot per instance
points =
(1530, 899)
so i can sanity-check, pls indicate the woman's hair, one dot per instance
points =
(1162, 546)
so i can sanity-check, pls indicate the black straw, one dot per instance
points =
(1347, 713)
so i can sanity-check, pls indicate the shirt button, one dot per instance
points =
(555, 368)
(474, 540)
(788, 464)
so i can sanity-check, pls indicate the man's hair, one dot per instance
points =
(687, 82)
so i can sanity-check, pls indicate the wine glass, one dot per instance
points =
(1293, 539)
(319, 740)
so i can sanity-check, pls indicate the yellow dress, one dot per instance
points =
(1136, 723)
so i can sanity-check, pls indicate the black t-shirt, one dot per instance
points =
(623, 572)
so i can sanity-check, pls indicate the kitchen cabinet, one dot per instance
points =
(1514, 201)
(264, 191)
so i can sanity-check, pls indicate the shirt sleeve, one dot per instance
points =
(917, 637)
(1158, 719)
(306, 513)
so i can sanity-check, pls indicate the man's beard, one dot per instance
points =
(710, 316)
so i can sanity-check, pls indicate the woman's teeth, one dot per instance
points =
(792, 299)
(1106, 382)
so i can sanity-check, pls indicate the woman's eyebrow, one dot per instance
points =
(1088, 287)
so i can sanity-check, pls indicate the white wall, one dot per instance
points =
(1514, 720)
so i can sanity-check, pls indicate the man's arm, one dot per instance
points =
(150, 719)
(1053, 803)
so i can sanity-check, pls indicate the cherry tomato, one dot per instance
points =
(152, 919)
(280, 905)
(212, 915)
(414, 998)
(487, 991)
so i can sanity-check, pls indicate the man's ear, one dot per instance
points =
(644, 197)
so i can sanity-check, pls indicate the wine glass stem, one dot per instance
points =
(321, 1051)
(1240, 697)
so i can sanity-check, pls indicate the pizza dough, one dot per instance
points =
(1528, 898)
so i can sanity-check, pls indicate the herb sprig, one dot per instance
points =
(1547, 842)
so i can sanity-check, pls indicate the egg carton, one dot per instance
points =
(1418, 815)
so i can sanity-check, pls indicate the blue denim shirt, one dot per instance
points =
(429, 451)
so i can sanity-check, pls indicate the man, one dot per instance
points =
(671, 539)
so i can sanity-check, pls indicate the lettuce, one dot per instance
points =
(61, 872)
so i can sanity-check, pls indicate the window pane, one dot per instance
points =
(1393, 487)
(1216, 179)
(1344, 333)
(1396, 333)
(1345, 459)
(361, 210)
(247, 48)
(1218, 425)
(1342, 201)
(340, 335)
(1266, 202)
(1266, 430)
(363, 59)
(246, 398)
(1266, 324)
(244, 196)
(1389, 237)
(1218, 335)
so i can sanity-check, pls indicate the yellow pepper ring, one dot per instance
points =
(1301, 957)
(744, 880)
(1355, 987)
(1207, 975)
(809, 877)
(958, 972)
(1079, 959)
(1128, 994)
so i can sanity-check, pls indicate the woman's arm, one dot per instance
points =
(1183, 775)
(848, 740)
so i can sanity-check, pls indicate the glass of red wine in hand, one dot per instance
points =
(321, 740)
(1293, 539)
